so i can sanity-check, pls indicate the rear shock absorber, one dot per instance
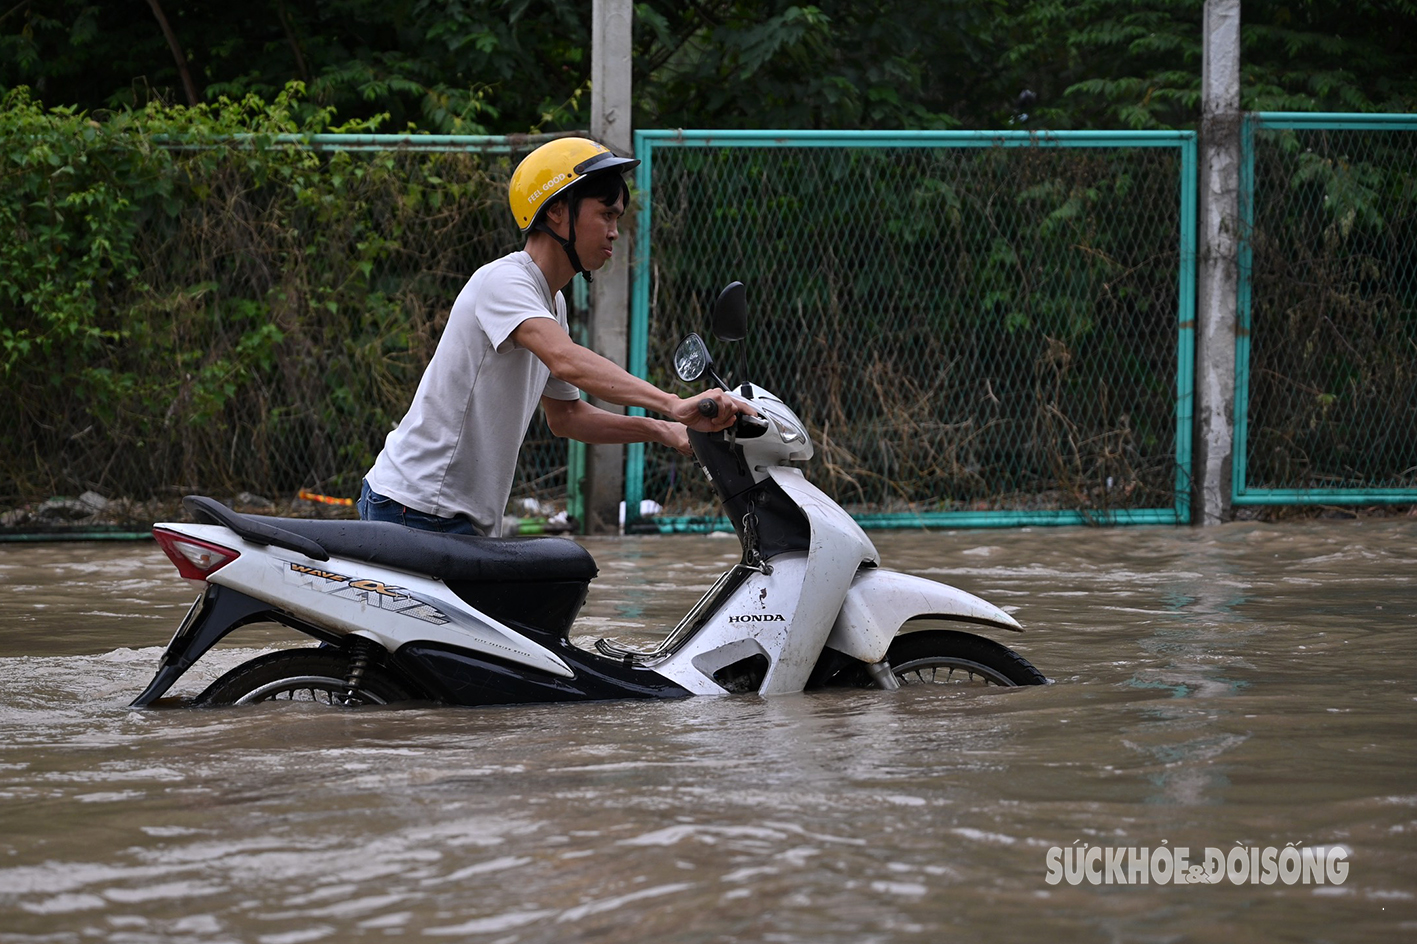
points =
(358, 665)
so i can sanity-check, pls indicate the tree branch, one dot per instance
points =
(707, 17)
(177, 55)
(288, 27)
(6, 15)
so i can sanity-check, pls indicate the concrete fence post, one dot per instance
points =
(1216, 298)
(610, 86)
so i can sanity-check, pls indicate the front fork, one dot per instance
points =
(882, 674)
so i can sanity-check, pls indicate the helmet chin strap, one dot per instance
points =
(568, 242)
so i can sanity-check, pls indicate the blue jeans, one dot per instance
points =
(375, 507)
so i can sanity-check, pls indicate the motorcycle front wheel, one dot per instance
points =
(946, 657)
(319, 675)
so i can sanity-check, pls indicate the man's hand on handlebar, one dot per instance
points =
(710, 411)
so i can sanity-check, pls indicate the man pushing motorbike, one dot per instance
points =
(449, 464)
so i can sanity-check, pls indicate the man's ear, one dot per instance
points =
(555, 214)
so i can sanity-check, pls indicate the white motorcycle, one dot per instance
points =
(403, 614)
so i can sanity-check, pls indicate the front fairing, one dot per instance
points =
(786, 440)
(736, 463)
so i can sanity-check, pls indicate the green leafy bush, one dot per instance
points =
(192, 298)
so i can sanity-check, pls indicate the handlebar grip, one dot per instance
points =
(708, 408)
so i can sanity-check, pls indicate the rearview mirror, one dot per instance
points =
(691, 360)
(730, 313)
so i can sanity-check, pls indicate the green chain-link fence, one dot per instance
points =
(257, 338)
(1326, 367)
(978, 328)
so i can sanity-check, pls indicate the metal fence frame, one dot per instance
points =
(646, 142)
(1240, 493)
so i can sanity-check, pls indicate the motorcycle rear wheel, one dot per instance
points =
(946, 657)
(317, 676)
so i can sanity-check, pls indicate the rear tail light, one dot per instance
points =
(195, 560)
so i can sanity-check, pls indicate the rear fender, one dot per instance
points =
(215, 614)
(880, 602)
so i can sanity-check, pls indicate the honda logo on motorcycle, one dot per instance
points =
(758, 618)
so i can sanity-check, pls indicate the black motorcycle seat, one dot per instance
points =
(447, 557)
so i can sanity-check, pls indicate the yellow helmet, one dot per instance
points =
(552, 168)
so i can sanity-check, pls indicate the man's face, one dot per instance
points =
(597, 228)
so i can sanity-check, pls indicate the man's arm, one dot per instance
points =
(577, 419)
(600, 377)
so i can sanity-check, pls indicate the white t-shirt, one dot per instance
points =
(455, 451)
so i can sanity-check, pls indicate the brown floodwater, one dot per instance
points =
(1241, 689)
